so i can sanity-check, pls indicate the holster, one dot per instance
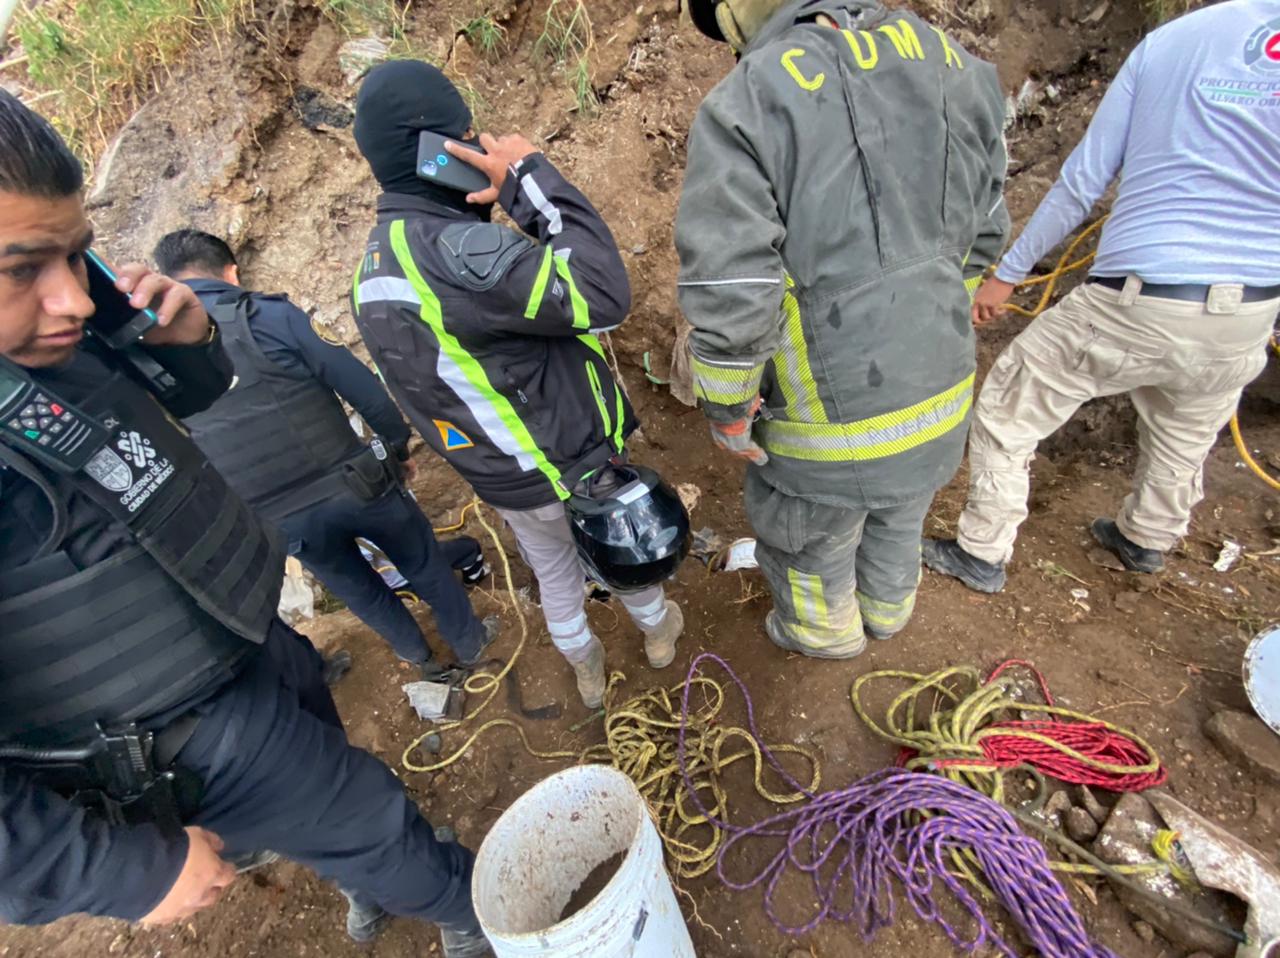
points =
(370, 474)
(118, 776)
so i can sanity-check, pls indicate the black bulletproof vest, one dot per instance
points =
(157, 620)
(280, 440)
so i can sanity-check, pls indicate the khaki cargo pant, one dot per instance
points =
(833, 570)
(1181, 363)
(546, 544)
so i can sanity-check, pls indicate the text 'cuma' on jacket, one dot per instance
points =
(843, 184)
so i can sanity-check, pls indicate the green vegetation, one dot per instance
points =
(95, 61)
(566, 40)
(1158, 11)
(362, 16)
(485, 34)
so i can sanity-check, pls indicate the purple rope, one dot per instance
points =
(858, 844)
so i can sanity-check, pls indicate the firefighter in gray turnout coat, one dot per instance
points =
(843, 189)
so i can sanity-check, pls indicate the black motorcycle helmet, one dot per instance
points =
(631, 529)
(703, 15)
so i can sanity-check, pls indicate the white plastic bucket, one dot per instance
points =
(544, 847)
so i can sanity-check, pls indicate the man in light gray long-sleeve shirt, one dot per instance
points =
(1180, 300)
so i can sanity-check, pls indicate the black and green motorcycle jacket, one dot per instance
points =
(487, 337)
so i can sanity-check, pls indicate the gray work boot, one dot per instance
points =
(778, 636)
(464, 944)
(660, 642)
(1135, 557)
(945, 556)
(588, 665)
(364, 922)
(492, 626)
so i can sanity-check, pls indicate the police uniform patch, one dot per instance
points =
(452, 437)
(323, 332)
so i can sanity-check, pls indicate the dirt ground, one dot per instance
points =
(231, 144)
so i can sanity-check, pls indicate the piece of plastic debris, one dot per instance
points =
(1230, 554)
(742, 555)
(689, 495)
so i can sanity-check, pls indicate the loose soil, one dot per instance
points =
(230, 146)
(592, 885)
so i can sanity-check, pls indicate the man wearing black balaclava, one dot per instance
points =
(487, 337)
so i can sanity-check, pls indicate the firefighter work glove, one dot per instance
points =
(735, 436)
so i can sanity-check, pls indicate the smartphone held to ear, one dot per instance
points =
(436, 165)
(114, 318)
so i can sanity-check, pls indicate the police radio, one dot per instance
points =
(39, 424)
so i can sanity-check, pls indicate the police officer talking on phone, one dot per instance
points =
(281, 438)
(156, 717)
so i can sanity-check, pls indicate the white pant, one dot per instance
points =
(1182, 365)
(546, 543)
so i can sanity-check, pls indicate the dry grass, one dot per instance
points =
(93, 62)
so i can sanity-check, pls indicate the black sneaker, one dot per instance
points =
(335, 667)
(1134, 556)
(946, 557)
(474, 574)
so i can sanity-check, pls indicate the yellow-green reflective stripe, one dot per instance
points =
(599, 396)
(807, 598)
(871, 438)
(591, 342)
(795, 375)
(971, 285)
(465, 376)
(886, 615)
(581, 311)
(355, 287)
(539, 286)
(726, 386)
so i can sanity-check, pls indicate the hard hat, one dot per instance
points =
(703, 14)
(631, 529)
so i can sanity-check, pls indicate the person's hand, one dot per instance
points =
(183, 321)
(499, 154)
(989, 300)
(408, 470)
(203, 879)
(735, 437)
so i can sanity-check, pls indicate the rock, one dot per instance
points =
(1080, 825)
(1144, 931)
(1125, 839)
(1088, 801)
(319, 111)
(1057, 805)
(355, 57)
(1247, 741)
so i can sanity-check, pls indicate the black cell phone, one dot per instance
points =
(114, 319)
(435, 165)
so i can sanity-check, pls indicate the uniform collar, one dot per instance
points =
(201, 284)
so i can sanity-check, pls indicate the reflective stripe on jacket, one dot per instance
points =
(842, 185)
(488, 340)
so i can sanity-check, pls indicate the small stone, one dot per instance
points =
(1089, 802)
(1057, 805)
(1080, 825)
(1247, 741)
(1144, 931)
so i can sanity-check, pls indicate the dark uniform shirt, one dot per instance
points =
(287, 338)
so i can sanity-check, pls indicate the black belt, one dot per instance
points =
(1188, 292)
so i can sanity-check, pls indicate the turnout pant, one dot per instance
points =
(279, 774)
(1183, 365)
(834, 570)
(546, 544)
(323, 538)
